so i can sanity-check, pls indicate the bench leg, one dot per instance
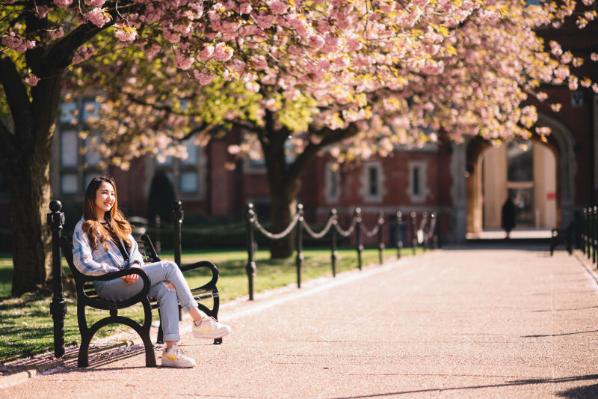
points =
(83, 359)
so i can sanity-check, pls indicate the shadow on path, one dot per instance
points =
(585, 392)
(558, 335)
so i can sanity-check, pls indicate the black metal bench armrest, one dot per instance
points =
(125, 272)
(206, 264)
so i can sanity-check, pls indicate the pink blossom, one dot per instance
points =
(151, 52)
(31, 80)
(125, 33)
(264, 21)
(278, 7)
(259, 62)
(245, 8)
(206, 53)
(203, 78)
(222, 52)
(98, 16)
(183, 61)
(95, 3)
(63, 3)
(17, 43)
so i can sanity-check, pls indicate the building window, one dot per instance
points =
(332, 183)
(79, 163)
(417, 189)
(184, 173)
(372, 182)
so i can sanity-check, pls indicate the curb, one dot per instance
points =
(17, 378)
(586, 264)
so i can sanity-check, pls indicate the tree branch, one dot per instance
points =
(311, 150)
(16, 97)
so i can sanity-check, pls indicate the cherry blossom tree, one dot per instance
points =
(385, 79)
(313, 75)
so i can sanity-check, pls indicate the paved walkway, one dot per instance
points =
(452, 324)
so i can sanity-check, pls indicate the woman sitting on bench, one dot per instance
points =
(102, 243)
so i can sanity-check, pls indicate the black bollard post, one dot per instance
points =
(158, 235)
(413, 219)
(58, 306)
(399, 233)
(358, 243)
(299, 237)
(250, 268)
(333, 243)
(423, 224)
(595, 234)
(381, 237)
(178, 224)
(433, 241)
(586, 231)
(589, 232)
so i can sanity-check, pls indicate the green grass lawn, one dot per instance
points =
(26, 325)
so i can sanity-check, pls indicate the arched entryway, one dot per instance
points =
(539, 175)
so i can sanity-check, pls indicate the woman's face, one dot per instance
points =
(105, 198)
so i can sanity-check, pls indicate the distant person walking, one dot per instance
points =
(508, 214)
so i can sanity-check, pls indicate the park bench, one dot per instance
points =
(88, 297)
(559, 236)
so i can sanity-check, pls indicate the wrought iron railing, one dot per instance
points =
(423, 235)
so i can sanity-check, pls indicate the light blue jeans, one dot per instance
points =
(169, 300)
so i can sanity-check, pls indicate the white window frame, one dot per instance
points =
(422, 166)
(174, 169)
(329, 181)
(365, 182)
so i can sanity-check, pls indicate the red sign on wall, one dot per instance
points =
(551, 196)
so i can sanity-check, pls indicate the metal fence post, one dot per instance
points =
(333, 256)
(413, 219)
(358, 243)
(250, 268)
(381, 245)
(178, 223)
(433, 241)
(399, 233)
(585, 229)
(299, 254)
(55, 219)
(595, 234)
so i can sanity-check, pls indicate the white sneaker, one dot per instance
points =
(174, 357)
(210, 328)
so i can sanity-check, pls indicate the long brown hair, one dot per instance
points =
(93, 227)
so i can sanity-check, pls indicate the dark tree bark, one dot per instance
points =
(26, 148)
(284, 179)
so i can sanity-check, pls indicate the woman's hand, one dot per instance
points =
(130, 279)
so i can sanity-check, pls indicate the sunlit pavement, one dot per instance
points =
(482, 323)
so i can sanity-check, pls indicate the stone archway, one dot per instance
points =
(465, 166)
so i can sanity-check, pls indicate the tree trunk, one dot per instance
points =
(29, 188)
(282, 211)
(283, 185)
(25, 165)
